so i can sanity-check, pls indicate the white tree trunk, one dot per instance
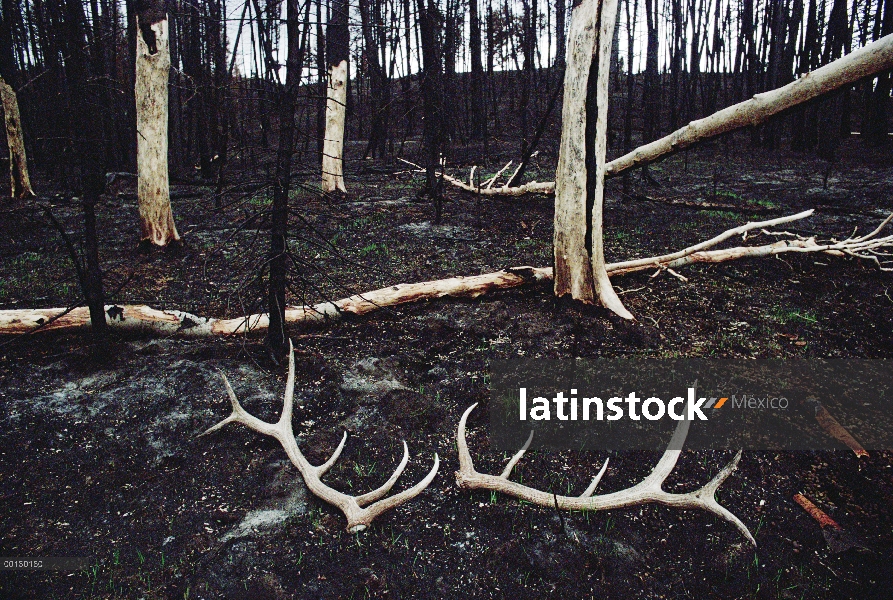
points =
(153, 190)
(333, 142)
(19, 182)
(579, 249)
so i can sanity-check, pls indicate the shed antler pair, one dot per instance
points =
(648, 490)
(358, 518)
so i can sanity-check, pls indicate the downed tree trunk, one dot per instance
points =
(873, 58)
(141, 318)
(19, 181)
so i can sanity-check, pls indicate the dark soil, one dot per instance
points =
(98, 448)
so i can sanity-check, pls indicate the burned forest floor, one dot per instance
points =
(99, 454)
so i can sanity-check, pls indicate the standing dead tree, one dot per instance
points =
(278, 260)
(431, 84)
(579, 192)
(153, 61)
(337, 41)
(19, 181)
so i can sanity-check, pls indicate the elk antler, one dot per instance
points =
(358, 518)
(649, 490)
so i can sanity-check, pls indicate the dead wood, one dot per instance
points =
(141, 318)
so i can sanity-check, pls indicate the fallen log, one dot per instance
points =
(144, 319)
(869, 60)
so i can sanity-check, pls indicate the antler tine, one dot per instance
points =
(240, 415)
(646, 491)
(377, 508)
(520, 453)
(705, 498)
(358, 518)
(466, 465)
(321, 469)
(668, 460)
(288, 400)
(386, 487)
(591, 489)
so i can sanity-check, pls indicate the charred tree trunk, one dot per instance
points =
(651, 94)
(877, 110)
(528, 47)
(220, 112)
(19, 181)
(778, 16)
(321, 81)
(337, 40)
(449, 47)
(277, 340)
(370, 18)
(677, 63)
(560, 35)
(152, 69)
(478, 106)
(630, 86)
(751, 59)
(803, 126)
(90, 163)
(832, 108)
(432, 95)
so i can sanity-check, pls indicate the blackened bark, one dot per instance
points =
(803, 126)
(651, 96)
(220, 112)
(278, 261)
(630, 87)
(877, 124)
(478, 106)
(321, 80)
(337, 34)
(370, 19)
(432, 94)
(560, 32)
(528, 44)
(831, 109)
(89, 158)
